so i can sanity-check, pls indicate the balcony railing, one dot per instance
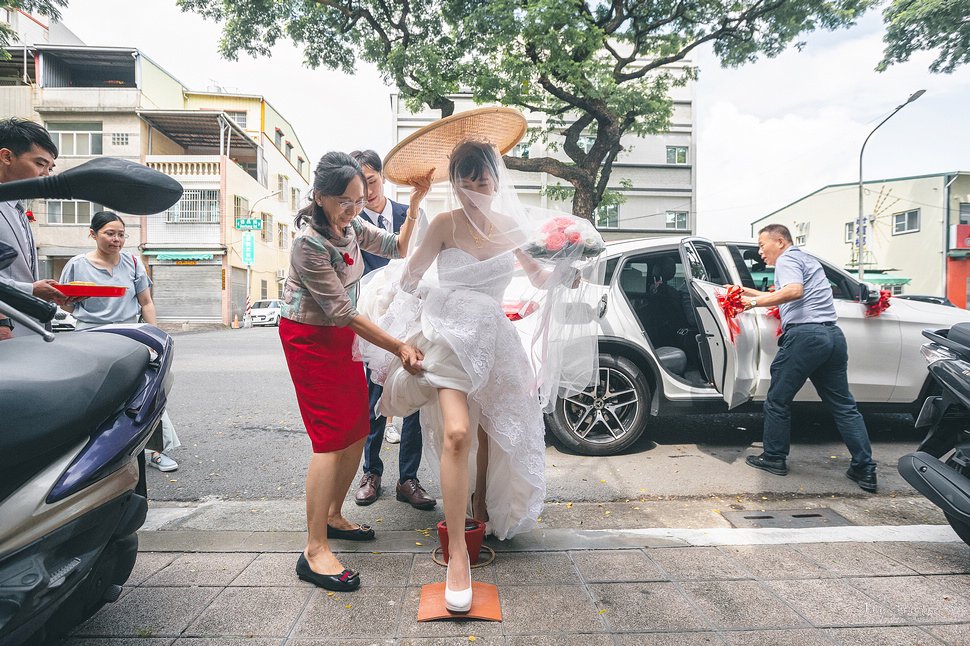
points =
(183, 167)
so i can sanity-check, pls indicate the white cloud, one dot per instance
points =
(772, 132)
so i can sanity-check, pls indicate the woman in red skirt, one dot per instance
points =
(318, 325)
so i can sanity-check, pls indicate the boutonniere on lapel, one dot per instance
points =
(348, 259)
(30, 216)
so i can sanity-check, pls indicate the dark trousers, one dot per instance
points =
(819, 353)
(409, 458)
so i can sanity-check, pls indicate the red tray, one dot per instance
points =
(96, 291)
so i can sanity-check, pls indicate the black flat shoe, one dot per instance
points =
(360, 533)
(346, 581)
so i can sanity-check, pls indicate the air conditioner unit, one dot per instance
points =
(280, 274)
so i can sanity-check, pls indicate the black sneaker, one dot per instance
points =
(777, 466)
(865, 478)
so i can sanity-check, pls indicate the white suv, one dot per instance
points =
(665, 345)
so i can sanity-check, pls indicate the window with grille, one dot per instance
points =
(521, 151)
(197, 206)
(71, 211)
(278, 138)
(585, 142)
(119, 138)
(289, 150)
(850, 232)
(608, 216)
(676, 220)
(294, 199)
(266, 235)
(239, 116)
(283, 186)
(264, 289)
(76, 138)
(299, 164)
(676, 154)
(282, 236)
(907, 222)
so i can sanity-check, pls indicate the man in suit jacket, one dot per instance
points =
(26, 151)
(389, 215)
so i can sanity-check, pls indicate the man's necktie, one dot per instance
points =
(382, 222)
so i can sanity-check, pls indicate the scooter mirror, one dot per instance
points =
(118, 184)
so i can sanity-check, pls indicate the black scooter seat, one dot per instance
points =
(53, 394)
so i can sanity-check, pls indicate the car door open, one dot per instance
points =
(732, 357)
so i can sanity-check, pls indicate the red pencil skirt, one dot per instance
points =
(330, 386)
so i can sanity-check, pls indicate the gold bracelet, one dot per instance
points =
(410, 218)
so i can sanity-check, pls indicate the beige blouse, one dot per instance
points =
(323, 283)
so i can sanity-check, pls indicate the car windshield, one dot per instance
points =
(263, 305)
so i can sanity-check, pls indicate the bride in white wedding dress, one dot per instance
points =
(480, 392)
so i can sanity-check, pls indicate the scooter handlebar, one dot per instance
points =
(27, 303)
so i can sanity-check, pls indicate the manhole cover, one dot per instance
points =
(786, 518)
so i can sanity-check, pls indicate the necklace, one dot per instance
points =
(477, 239)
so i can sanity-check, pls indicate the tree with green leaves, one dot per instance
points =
(917, 25)
(600, 70)
(48, 8)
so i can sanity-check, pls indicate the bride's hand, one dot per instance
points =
(411, 358)
(420, 187)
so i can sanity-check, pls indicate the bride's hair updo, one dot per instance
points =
(333, 173)
(472, 160)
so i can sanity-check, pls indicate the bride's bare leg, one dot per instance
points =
(479, 510)
(454, 481)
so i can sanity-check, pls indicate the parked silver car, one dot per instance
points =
(665, 345)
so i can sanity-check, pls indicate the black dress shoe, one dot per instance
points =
(359, 533)
(777, 466)
(865, 478)
(346, 581)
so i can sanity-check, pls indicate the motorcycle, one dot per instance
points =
(940, 468)
(76, 415)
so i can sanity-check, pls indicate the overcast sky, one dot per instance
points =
(767, 133)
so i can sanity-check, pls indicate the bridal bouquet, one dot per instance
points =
(567, 237)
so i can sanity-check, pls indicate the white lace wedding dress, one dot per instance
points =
(470, 345)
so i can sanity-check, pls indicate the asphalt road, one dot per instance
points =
(243, 439)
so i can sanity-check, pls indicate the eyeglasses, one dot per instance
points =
(347, 204)
(115, 236)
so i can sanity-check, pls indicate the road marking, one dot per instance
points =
(777, 536)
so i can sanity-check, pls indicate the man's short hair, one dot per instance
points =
(19, 135)
(778, 231)
(368, 158)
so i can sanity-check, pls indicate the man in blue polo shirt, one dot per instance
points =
(811, 347)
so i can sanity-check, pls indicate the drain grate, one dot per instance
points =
(786, 518)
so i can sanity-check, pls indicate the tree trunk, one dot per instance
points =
(583, 202)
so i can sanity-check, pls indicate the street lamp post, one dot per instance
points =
(861, 229)
(249, 267)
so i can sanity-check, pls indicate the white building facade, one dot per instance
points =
(655, 174)
(917, 231)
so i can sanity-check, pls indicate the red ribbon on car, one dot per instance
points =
(879, 306)
(732, 304)
(774, 313)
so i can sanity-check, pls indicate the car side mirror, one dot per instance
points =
(869, 294)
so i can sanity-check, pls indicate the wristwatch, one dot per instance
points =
(6, 323)
(754, 303)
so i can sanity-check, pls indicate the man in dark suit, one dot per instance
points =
(389, 215)
(26, 152)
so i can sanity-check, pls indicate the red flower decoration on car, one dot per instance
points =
(879, 306)
(30, 216)
(348, 259)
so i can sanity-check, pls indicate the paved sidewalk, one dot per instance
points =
(558, 586)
